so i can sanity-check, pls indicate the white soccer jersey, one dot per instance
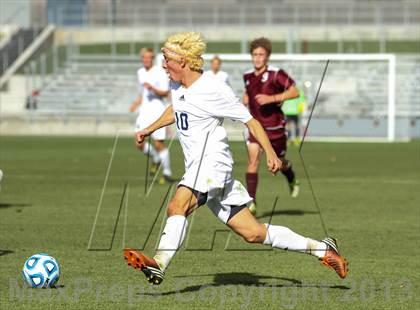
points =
(152, 106)
(221, 75)
(155, 76)
(199, 112)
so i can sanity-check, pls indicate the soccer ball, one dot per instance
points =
(41, 270)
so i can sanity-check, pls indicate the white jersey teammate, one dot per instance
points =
(200, 103)
(153, 86)
(215, 65)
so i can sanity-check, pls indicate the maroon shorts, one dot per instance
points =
(279, 145)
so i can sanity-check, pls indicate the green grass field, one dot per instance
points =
(348, 46)
(368, 195)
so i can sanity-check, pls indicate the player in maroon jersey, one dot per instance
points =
(266, 88)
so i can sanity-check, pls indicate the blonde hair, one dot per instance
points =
(146, 50)
(190, 45)
(217, 58)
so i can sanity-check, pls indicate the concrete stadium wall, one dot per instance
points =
(30, 124)
(56, 125)
(12, 99)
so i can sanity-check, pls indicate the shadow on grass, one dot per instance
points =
(285, 212)
(245, 279)
(4, 205)
(58, 287)
(5, 252)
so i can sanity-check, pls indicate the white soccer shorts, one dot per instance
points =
(144, 120)
(223, 193)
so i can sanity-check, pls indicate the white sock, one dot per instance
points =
(283, 238)
(171, 239)
(165, 160)
(149, 149)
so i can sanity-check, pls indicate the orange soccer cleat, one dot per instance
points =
(146, 264)
(333, 259)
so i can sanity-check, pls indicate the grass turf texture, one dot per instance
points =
(368, 194)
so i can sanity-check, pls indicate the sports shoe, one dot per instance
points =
(294, 187)
(333, 259)
(164, 179)
(146, 264)
(253, 207)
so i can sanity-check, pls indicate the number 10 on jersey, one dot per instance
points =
(181, 120)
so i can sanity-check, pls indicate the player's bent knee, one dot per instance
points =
(176, 208)
(254, 236)
(159, 145)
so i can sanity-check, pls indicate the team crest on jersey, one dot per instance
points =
(264, 77)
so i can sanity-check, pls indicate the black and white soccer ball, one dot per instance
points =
(41, 271)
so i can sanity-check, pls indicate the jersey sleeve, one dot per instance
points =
(228, 105)
(283, 80)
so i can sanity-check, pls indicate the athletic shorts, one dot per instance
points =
(225, 202)
(279, 145)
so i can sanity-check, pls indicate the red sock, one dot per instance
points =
(251, 184)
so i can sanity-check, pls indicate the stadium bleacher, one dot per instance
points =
(107, 85)
(90, 87)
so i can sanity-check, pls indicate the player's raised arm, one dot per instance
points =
(167, 118)
(273, 162)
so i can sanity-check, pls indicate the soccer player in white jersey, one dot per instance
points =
(215, 65)
(153, 87)
(199, 105)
